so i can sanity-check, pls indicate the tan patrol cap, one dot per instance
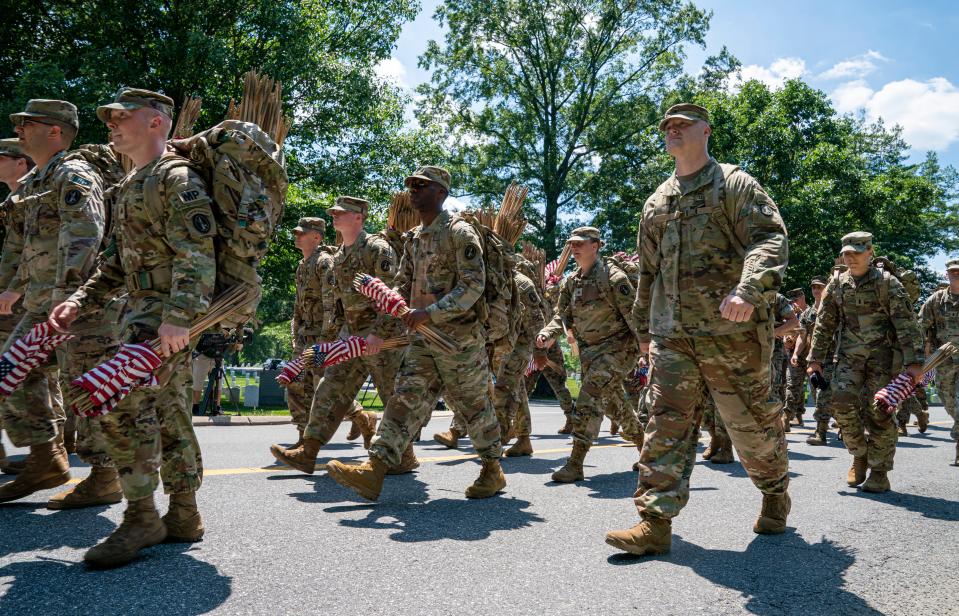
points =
(685, 111)
(952, 264)
(431, 174)
(857, 241)
(817, 282)
(795, 294)
(11, 147)
(310, 223)
(584, 234)
(61, 113)
(133, 98)
(350, 204)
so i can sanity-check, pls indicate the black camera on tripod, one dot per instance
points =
(215, 345)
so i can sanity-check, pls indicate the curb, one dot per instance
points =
(261, 420)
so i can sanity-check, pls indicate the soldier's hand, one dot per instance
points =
(63, 315)
(542, 342)
(814, 366)
(736, 309)
(173, 339)
(915, 371)
(7, 300)
(793, 361)
(415, 318)
(374, 344)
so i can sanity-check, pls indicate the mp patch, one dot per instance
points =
(72, 197)
(201, 222)
(189, 196)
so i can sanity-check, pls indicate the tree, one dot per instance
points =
(543, 91)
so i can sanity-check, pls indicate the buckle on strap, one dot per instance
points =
(140, 281)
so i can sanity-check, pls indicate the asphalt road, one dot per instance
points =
(281, 542)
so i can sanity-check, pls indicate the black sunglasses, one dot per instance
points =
(419, 183)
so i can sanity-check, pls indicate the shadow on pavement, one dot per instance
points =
(164, 580)
(929, 506)
(527, 465)
(445, 518)
(405, 488)
(621, 485)
(811, 588)
(77, 528)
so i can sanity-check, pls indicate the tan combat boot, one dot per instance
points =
(141, 528)
(772, 517)
(299, 439)
(302, 458)
(901, 430)
(787, 422)
(724, 453)
(46, 467)
(449, 439)
(367, 421)
(713, 446)
(651, 536)
(490, 481)
(613, 428)
(70, 441)
(12, 467)
(639, 449)
(567, 427)
(354, 432)
(183, 522)
(407, 463)
(819, 436)
(365, 479)
(573, 469)
(522, 447)
(799, 421)
(922, 419)
(857, 472)
(100, 487)
(877, 483)
(956, 461)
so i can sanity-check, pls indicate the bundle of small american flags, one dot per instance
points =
(555, 268)
(901, 387)
(324, 354)
(108, 383)
(26, 353)
(389, 301)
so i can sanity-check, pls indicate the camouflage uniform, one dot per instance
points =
(555, 371)
(312, 323)
(607, 347)
(162, 254)
(795, 403)
(442, 271)
(865, 356)
(782, 312)
(698, 243)
(939, 318)
(336, 392)
(12, 213)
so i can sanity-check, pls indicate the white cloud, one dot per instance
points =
(392, 70)
(774, 76)
(856, 67)
(927, 111)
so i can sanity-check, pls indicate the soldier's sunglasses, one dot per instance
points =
(418, 183)
(26, 121)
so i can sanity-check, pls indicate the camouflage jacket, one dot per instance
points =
(64, 225)
(939, 319)
(698, 247)
(855, 305)
(535, 310)
(313, 304)
(442, 271)
(161, 251)
(370, 254)
(585, 306)
(12, 213)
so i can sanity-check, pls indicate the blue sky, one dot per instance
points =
(884, 59)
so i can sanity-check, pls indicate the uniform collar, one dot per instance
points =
(360, 241)
(441, 220)
(50, 166)
(703, 178)
(867, 278)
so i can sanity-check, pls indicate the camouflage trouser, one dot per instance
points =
(712, 421)
(734, 370)
(462, 378)
(335, 396)
(823, 410)
(915, 405)
(946, 376)
(555, 378)
(858, 376)
(604, 369)
(777, 374)
(300, 394)
(642, 406)
(510, 401)
(796, 389)
(150, 433)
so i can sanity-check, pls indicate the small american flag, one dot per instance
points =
(291, 371)
(385, 299)
(893, 394)
(133, 366)
(324, 354)
(343, 350)
(551, 275)
(26, 353)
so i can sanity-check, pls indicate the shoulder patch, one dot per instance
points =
(385, 265)
(73, 196)
(201, 222)
(624, 289)
(470, 252)
(79, 180)
(189, 195)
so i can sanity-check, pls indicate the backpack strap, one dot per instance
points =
(603, 276)
(720, 175)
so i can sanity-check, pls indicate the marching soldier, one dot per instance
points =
(939, 319)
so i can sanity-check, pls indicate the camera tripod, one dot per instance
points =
(213, 392)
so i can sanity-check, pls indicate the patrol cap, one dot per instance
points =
(310, 223)
(12, 148)
(685, 111)
(350, 204)
(857, 241)
(431, 174)
(584, 234)
(795, 294)
(133, 98)
(952, 264)
(57, 112)
(817, 282)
